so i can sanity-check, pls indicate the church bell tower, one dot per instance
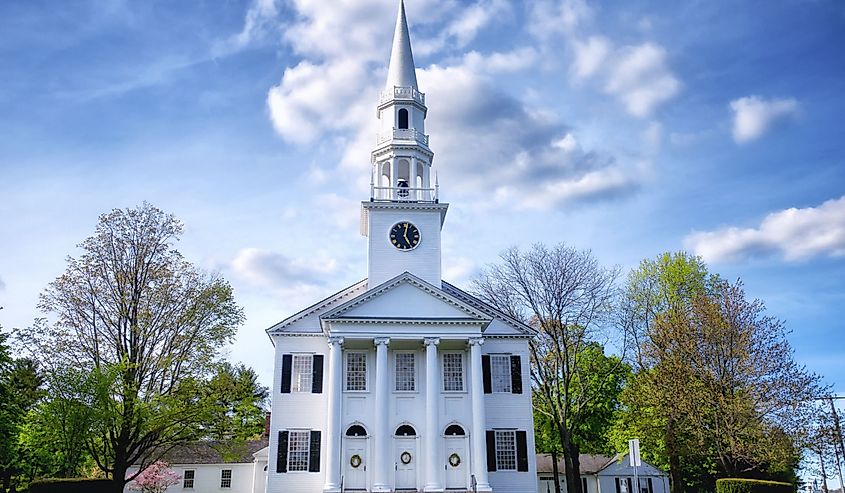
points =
(403, 217)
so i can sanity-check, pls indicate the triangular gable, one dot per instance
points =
(406, 297)
(307, 320)
(502, 324)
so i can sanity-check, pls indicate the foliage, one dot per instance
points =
(717, 392)
(156, 478)
(569, 298)
(146, 327)
(736, 485)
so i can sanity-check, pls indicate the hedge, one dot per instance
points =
(73, 485)
(736, 485)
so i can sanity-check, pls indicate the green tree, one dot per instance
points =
(147, 326)
(717, 391)
(656, 291)
(570, 299)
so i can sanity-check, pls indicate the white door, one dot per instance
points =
(355, 464)
(406, 464)
(456, 463)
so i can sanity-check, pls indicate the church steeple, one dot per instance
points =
(404, 215)
(401, 72)
(402, 159)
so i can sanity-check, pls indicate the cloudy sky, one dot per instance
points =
(627, 128)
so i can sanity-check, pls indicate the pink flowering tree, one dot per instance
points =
(156, 478)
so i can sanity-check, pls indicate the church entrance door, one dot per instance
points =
(456, 463)
(355, 466)
(406, 464)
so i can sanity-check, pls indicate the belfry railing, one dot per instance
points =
(403, 194)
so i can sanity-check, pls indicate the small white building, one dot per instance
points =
(402, 381)
(211, 467)
(603, 474)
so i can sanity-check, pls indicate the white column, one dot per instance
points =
(479, 418)
(394, 173)
(433, 464)
(382, 431)
(333, 423)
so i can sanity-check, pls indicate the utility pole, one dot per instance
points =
(836, 426)
(824, 474)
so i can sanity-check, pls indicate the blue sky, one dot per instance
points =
(627, 128)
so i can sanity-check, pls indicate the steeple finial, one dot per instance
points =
(401, 71)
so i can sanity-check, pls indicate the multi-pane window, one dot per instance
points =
(405, 372)
(500, 372)
(226, 478)
(453, 372)
(505, 450)
(298, 448)
(188, 478)
(302, 376)
(356, 371)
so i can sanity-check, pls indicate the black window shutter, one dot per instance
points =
(618, 486)
(650, 488)
(282, 453)
(314, 455)
(317, 374)
(521, 451)
(287, 364)
(516, 374)
(630, 485)
(491, 449)
(485, 370)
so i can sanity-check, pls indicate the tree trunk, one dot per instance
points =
(571, 464)
(675, 475)
(556, 471)
(118, 482)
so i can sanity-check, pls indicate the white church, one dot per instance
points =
(402, 381)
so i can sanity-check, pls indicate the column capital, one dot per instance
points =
(476, 341)
(378, 341)
(335, 340)
(432, 341)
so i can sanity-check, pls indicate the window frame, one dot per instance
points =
(192, 479)
(461, 359)
(297, 378)
(224, 479)
(300, 465)
(501, 460)
(505, 380)
(413, 374)
(346, 356)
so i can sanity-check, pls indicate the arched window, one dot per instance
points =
(406, 431)
(455, 430)
(403, 118)
(356, 431)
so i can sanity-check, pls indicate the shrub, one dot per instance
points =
(736, 485)
(73, 485)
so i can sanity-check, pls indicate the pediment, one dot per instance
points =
(406, 297)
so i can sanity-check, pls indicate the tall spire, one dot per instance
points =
(401, 71)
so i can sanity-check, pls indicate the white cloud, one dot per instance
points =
(589, 56)
(641, 80)
(754, 116)
(274, 270)
(794, 234)
(330, 95)
(551, 17)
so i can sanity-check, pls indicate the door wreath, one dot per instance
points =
(405, 457)
(454, 460)
(355, 460)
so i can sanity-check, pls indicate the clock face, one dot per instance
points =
(404, 236)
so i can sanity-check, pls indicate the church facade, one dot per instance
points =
(402, 381)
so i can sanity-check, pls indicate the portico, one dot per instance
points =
(429, 464)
